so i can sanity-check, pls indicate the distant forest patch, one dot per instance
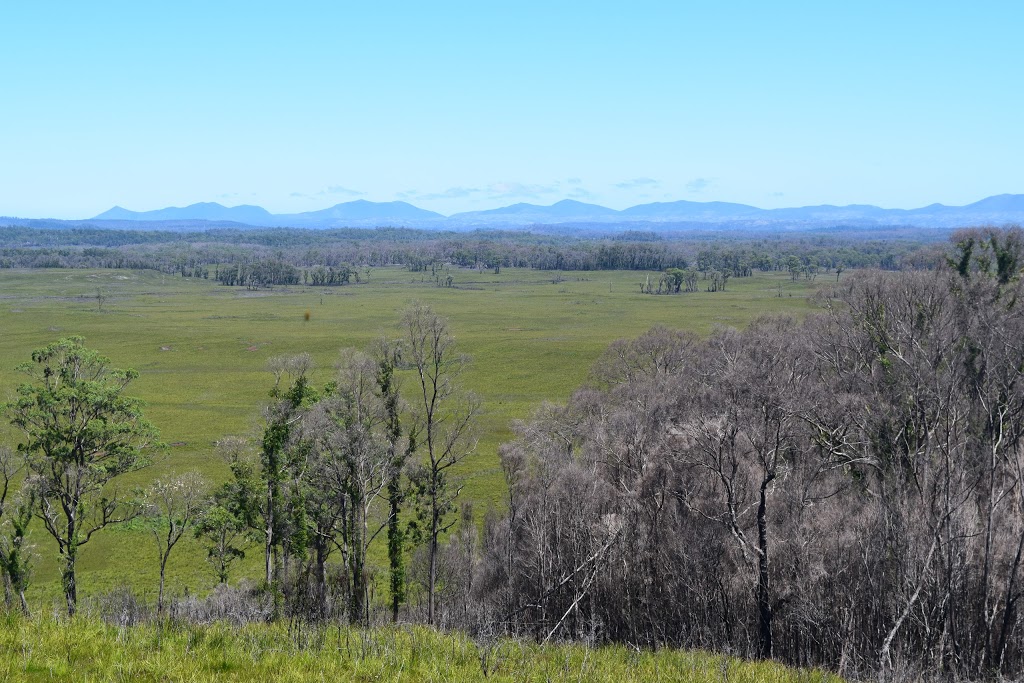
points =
(278, 256)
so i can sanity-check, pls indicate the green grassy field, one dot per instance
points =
(202, 349)
(87, 650)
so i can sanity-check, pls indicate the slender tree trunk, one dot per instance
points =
(68, 579)
(163, 573)
(1009, 607)
(356, 568)
(269, 545)
(884, 654)
(395, 542)
(396, 539)
(432, 574)
(70, 557)
(510, 595)
(222, 556)
(764, 604)
(321, 578)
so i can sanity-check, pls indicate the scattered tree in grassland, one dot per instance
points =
(81, 433)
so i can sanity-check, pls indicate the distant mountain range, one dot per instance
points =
(357, 213)
(569, 214)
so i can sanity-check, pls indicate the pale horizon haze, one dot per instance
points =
(461, 106)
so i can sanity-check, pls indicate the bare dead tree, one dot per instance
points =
(446, 420)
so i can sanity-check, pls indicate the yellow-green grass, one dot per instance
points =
(201, 350)
(85, 650)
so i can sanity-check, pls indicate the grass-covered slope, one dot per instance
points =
(84, 650)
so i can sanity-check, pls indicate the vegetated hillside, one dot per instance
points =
(843, 490)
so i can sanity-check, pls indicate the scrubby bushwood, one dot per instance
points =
(847, 490)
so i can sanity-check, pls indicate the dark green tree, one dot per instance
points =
(227, 525)
(16, 512)
(282, 459)
(387, 355)
(81, 434)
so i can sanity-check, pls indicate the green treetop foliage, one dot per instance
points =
(81, 432)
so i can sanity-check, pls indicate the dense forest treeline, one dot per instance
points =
(199, 253)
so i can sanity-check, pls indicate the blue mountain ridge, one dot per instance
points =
(998, 209)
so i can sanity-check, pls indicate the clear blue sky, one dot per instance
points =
(470, 105)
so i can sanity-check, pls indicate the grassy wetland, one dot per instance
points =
(201, 350)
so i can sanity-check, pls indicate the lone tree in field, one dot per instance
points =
(446, 418)
(81, 433)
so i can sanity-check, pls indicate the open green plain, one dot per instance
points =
(88, 650)
(201, 350)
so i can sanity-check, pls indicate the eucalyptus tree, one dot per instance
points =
(401, 447)
(17, 504)
(81, 433)
(231, 519)
(446, 420)
(739, 442)
(283, 461)
(349, 463)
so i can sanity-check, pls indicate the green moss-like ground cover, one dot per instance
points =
(84, 650)
(201, 350)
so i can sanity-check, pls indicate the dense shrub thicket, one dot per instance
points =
(844, 491)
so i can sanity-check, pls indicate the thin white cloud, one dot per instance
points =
(698, 185)
(637, 182)
(450, 193)
(338, 189)
(581, 193)
(520, 190)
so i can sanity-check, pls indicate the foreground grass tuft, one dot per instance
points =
(90, 650)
